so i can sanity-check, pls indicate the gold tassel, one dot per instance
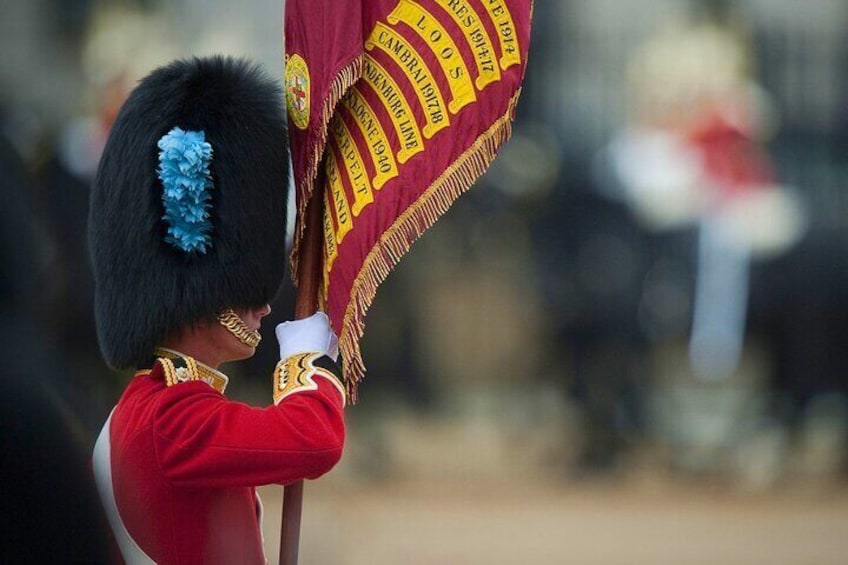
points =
(345, 78)
(407, 228)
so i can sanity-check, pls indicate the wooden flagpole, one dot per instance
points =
(306, 303)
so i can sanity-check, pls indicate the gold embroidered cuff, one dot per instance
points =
(295, 374)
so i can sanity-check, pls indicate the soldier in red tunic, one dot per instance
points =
(187, 232)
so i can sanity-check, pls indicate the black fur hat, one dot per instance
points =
(146, 286)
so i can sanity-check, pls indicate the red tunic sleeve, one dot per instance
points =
(203, 439)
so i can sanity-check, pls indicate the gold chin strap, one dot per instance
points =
(238, 328)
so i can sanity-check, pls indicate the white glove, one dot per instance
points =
(307, 335)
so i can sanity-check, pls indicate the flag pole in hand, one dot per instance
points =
(306, 304)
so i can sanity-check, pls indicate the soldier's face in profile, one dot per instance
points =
(211, 343)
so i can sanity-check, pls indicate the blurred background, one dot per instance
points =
(624, 346)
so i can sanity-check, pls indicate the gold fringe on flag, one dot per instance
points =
(345, 78)
(408, 227)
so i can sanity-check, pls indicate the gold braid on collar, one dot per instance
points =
(181, 368)
(236, 326)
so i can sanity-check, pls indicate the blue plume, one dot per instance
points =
(184, 158)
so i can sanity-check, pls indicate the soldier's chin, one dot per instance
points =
(242, 350)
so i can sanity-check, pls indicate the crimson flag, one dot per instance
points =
(404, 103)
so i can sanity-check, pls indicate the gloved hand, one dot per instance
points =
(309, 334)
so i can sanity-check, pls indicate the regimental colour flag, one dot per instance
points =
(395, 107)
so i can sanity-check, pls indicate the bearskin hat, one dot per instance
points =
(188, 207)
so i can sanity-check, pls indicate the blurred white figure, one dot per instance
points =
(122, 46)
(692, 154)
